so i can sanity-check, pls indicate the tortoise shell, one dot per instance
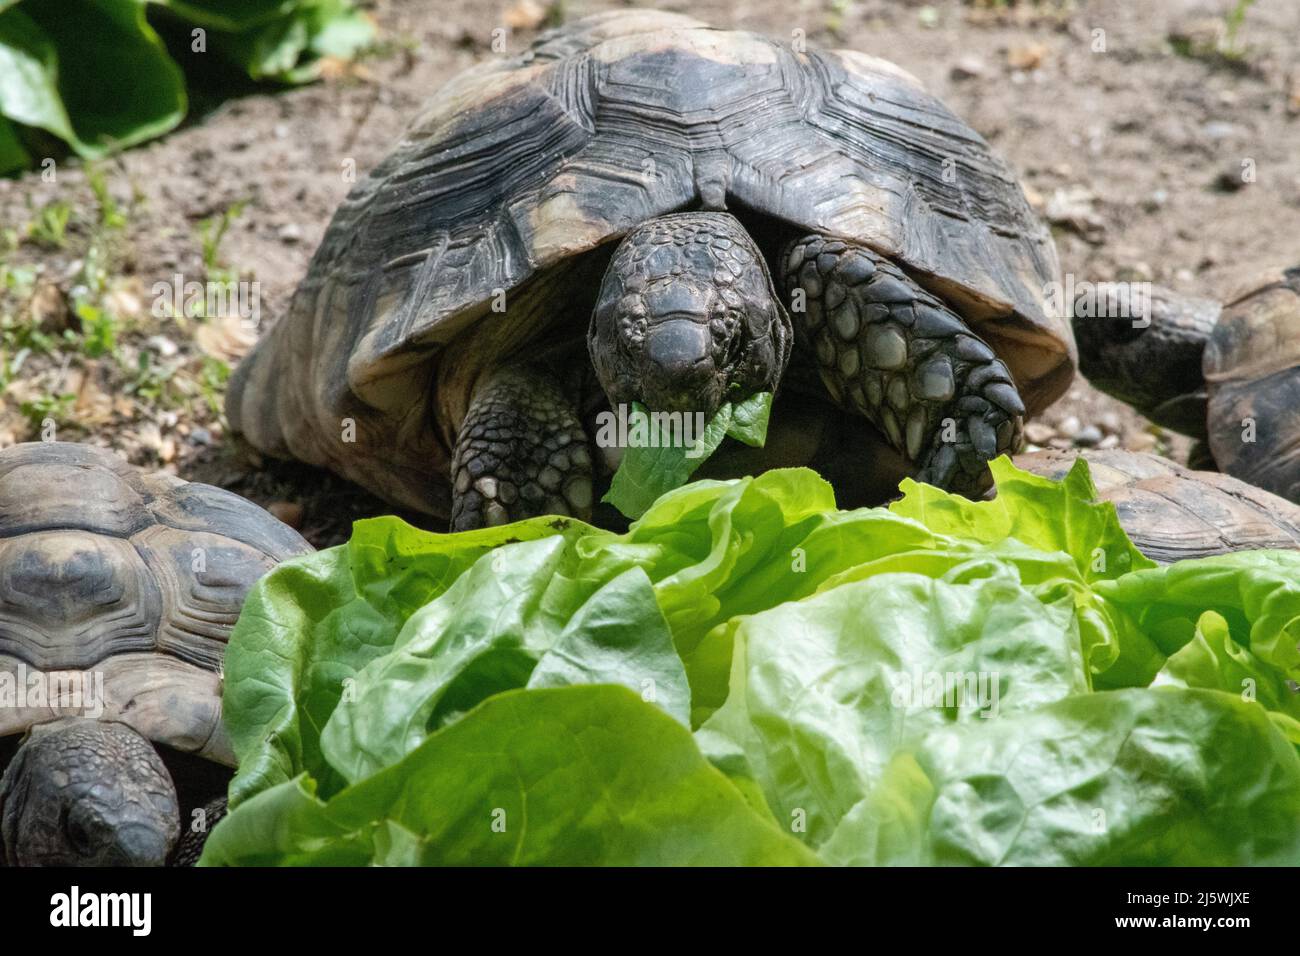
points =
(1171, 512)
(136, 580)
(469, 242)
(1252, 375)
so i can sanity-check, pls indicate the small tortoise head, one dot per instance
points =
(687, 317)
(81, 792)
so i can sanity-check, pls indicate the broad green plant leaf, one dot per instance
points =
(566, 776)
(658, 457)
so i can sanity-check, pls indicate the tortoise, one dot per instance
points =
(1227, 375)
(118, 592)
(1171, 512)
(640, 208)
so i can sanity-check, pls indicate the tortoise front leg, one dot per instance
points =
(894, 353)
(521, 452)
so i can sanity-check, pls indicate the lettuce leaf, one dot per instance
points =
(943, 681)
(94, 74)
(1141, 777)
(308, 628)
(658, 464)
(1255, 592)
(498, 628)
(824, 691)
(564, 776)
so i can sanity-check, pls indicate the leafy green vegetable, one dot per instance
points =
(1255, 593)
(823, 694)
(943, 681)
(499, 627)
(96, 74)
(1052, 516)
(659, 459)
(307, 630)
(1212, 659)
(563, 776)
(1062, 518)
(281, 40)
(1138, 777)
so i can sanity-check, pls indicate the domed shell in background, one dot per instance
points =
(1171, 512)
(1252, 371)
(520, 166)
(107, 574)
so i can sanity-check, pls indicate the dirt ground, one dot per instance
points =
(1130, 123)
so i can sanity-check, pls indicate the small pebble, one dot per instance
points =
(1088, 436)
(290, 512)
(162, 345)
(1068, 427)
(1218, 130)
(1141, 441)
(1231, 178)
(200, 436)
(967, 68)
(290, 232)
(1038, 433)
(1157, 200)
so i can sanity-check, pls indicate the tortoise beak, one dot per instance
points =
(138, 844)
(680, 375)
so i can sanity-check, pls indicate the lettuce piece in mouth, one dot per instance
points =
(384, 698)
(659, 461)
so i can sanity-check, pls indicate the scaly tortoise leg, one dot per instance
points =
(896, 354)
(521, 452)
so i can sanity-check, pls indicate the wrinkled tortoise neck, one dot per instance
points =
(81, 792)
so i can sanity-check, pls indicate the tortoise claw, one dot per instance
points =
(899, 356)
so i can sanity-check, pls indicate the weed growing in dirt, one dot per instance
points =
(211, 231)
(1217, 43)
(1232, 27)
(50, 227)
(81, 353)
(48, 408)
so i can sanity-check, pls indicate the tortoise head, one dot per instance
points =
(1152, 361)
(81, 792)
(687, 317)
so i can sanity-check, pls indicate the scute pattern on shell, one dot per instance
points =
(136, 578)
(518, 166)
(1171, 512)
(1252, 370)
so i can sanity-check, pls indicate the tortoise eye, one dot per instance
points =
(725, 339)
